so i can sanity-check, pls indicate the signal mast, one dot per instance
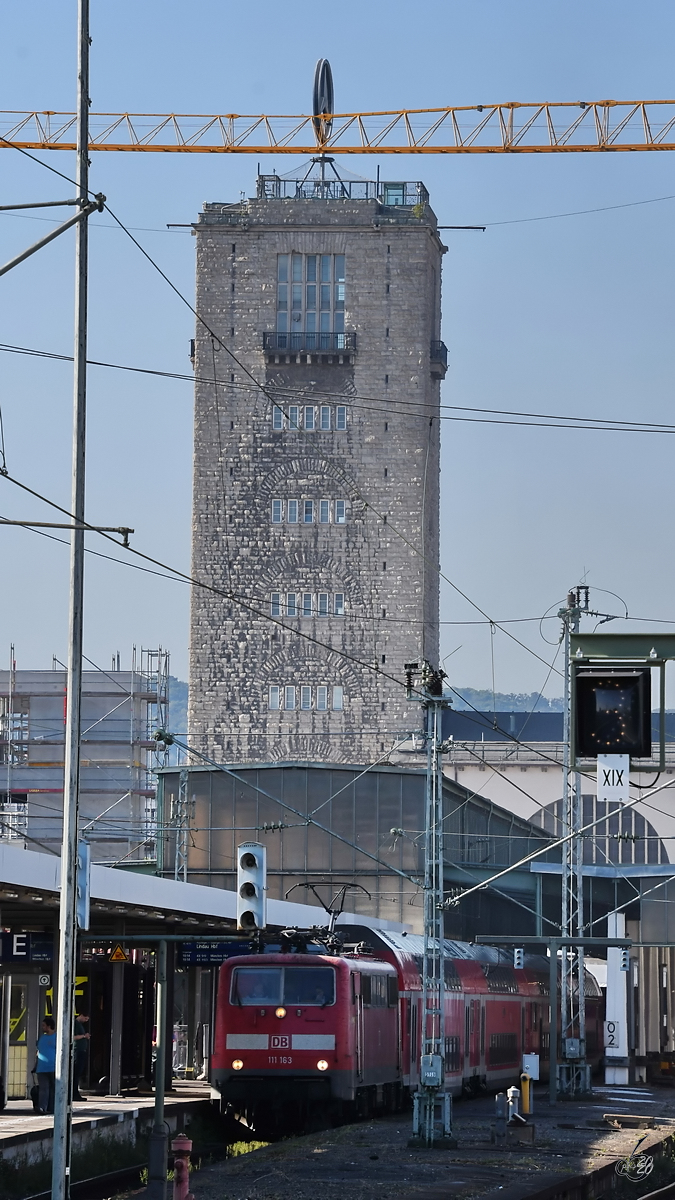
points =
(432, 1103)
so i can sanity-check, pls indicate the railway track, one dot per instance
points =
(100, 1187)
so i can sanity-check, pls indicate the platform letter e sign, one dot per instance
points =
(279, 1041)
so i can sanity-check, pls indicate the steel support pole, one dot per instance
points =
(67, 918)
(158, 1148)
(4, 1029)
(116, 1027)
(553, 1024)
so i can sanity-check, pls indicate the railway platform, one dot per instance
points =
(26, 1136)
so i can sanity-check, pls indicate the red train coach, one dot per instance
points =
(314, 1035)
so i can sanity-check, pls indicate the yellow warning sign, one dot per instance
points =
(119, 955)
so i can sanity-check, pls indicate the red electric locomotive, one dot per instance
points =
(313, 1036)
(299, 1035)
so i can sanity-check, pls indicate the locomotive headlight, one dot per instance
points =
(281, 1012)
(237, 1064)
(322, 1065)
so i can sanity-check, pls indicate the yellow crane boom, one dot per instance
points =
(513, 128)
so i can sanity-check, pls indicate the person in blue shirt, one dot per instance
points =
(45, 1064)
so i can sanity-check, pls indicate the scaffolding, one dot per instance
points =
(119, 755)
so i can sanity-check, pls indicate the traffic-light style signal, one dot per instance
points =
(625, 958)
(612, 709)
(518, 959)
(251, 886)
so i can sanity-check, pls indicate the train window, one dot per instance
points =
(453, 982)
(503, 1049)
(499, 978)
(392, 991)
(256, 985)
(375, 990)
(309, 986)
(452, 1062)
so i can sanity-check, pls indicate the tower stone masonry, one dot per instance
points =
(316, 468)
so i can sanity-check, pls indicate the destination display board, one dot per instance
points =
(210, 954)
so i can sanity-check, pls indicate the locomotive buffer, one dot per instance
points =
(432, 1102)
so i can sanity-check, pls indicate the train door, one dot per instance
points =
(358, 1020)
(472, 1027)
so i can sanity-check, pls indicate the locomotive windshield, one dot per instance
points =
(308, 986)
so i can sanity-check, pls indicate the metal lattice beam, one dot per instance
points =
(513, 128)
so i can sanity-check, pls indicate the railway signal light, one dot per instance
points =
(251, 886)
(518, 959)
(612, 711)
(625, 958)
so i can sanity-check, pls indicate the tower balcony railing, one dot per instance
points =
(309, 343)
(439, 359)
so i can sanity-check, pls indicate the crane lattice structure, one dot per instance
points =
(514, 128)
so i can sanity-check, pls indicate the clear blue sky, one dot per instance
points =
(572, 316)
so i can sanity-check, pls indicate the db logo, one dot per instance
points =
(279, 1041)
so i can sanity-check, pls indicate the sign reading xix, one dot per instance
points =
(613, 771)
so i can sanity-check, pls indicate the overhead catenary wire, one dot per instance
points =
(554, 845)
(273, 391)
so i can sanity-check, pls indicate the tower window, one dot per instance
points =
(306, 604)
(277, 512)
(317, 296)
(292, 604)
(274, 699)
(289, 697)
(277, 418)
(338, 699)
(341, 417)
(308, 512)
(340, 511)
(275, 605)
(324, 512)
(309, 417)
(322, 698)
(305, 697)
(339, 604)
(323, 604)
(292, 512)
(325, 417)
(293, 416)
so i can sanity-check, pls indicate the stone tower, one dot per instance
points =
(316, 467)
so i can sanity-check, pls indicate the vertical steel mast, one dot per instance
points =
(67, 911)
(573, 1072)
(432, 1112)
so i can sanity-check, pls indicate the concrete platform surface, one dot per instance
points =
(23, 1130)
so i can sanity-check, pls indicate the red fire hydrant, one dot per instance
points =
(181, 1146)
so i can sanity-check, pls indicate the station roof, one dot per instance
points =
(128, 901)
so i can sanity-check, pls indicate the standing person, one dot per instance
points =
(81, 1038)
(45, 1064)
